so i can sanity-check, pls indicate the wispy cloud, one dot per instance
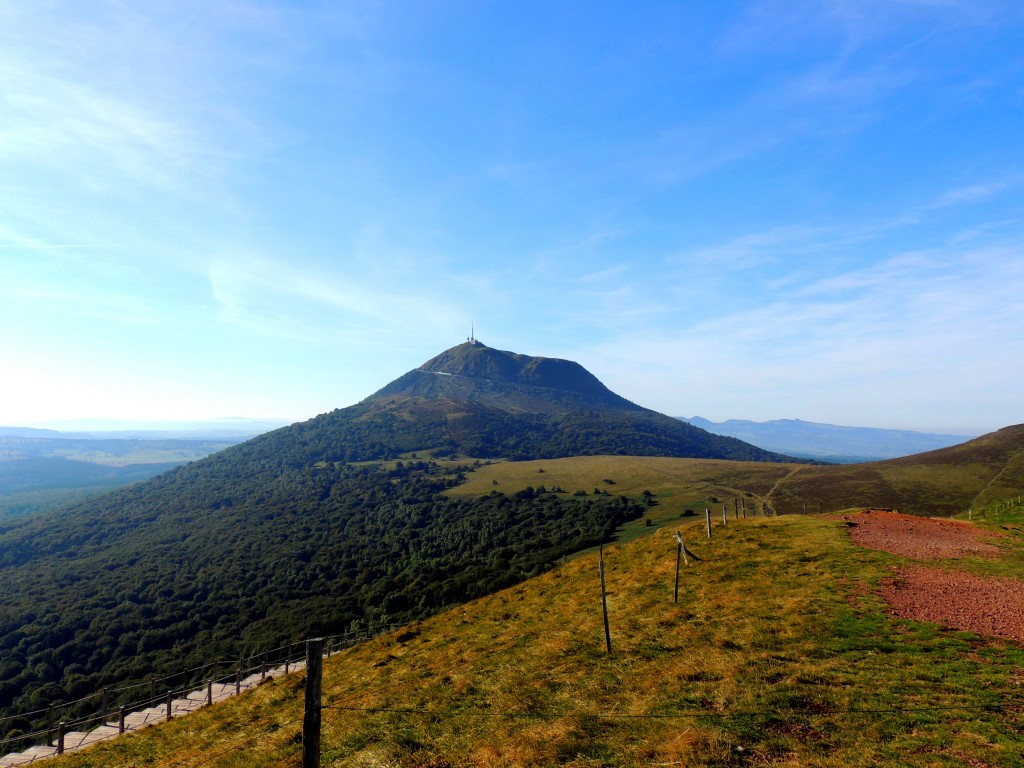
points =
(303, 302)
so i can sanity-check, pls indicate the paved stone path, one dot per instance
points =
(136, 720)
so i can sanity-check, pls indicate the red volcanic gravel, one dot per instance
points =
(959, 600)
(986, 606)
(922, 538)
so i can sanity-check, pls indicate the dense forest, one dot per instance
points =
(388, 427)
(229, 556)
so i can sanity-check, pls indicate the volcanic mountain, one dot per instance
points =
(484, 402)
(298, 532)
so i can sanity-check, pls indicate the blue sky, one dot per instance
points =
(750, 210)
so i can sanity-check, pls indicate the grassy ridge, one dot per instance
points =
(776, 654)
(677, 482)
(944, 482)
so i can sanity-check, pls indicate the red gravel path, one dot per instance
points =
(987, 606)
(922, 538)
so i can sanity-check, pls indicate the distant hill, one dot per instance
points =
(943, 482)
(828, 442)
(42, 468)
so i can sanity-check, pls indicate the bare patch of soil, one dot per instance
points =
(986, 606)
(922, 538)
(955, 599)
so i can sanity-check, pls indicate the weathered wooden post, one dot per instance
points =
(170, 697)
(725, 516)
(263, 669)
(604, 600)
(61, 727)
(209, 691)
(120, 720)
(103, 707)
(681, 552)
(238, 678)
(743, 508)
(49, 724)
(311, 715)
(707, 514)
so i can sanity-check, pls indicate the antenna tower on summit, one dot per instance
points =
(472, 335)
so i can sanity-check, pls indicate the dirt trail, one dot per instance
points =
(955, 599)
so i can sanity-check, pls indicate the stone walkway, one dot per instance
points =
(134, 721)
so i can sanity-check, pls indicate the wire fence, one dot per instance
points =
(197, 684)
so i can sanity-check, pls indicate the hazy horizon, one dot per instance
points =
(116, 425)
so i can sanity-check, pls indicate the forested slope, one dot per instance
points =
(230, 555)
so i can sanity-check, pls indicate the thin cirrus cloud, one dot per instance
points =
(300, 302)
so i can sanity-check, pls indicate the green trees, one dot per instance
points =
(168, 574)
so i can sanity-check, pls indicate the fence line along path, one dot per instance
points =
(211, 694)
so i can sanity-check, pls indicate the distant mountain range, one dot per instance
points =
(233, 429)
(828, 442)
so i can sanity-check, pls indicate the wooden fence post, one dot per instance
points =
(120, 720)
(238, 678)
(311, 715)
(170, 697)
(50, 724)
(707, 514)
(681, 552)
(209, 691)
(61, 726)
(725, 515)
(604, 601)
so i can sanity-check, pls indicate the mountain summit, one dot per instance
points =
(508, 381)
(487, 403)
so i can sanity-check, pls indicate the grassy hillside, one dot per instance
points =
(777, 653)
(674, 481)
(944, 482)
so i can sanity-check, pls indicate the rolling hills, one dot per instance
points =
(945, 482)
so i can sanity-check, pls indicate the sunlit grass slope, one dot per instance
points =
(943, 482)
(777, 653)
(679, 482)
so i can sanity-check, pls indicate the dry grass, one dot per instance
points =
(776, 654)
(677, 482)
(926, 484)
